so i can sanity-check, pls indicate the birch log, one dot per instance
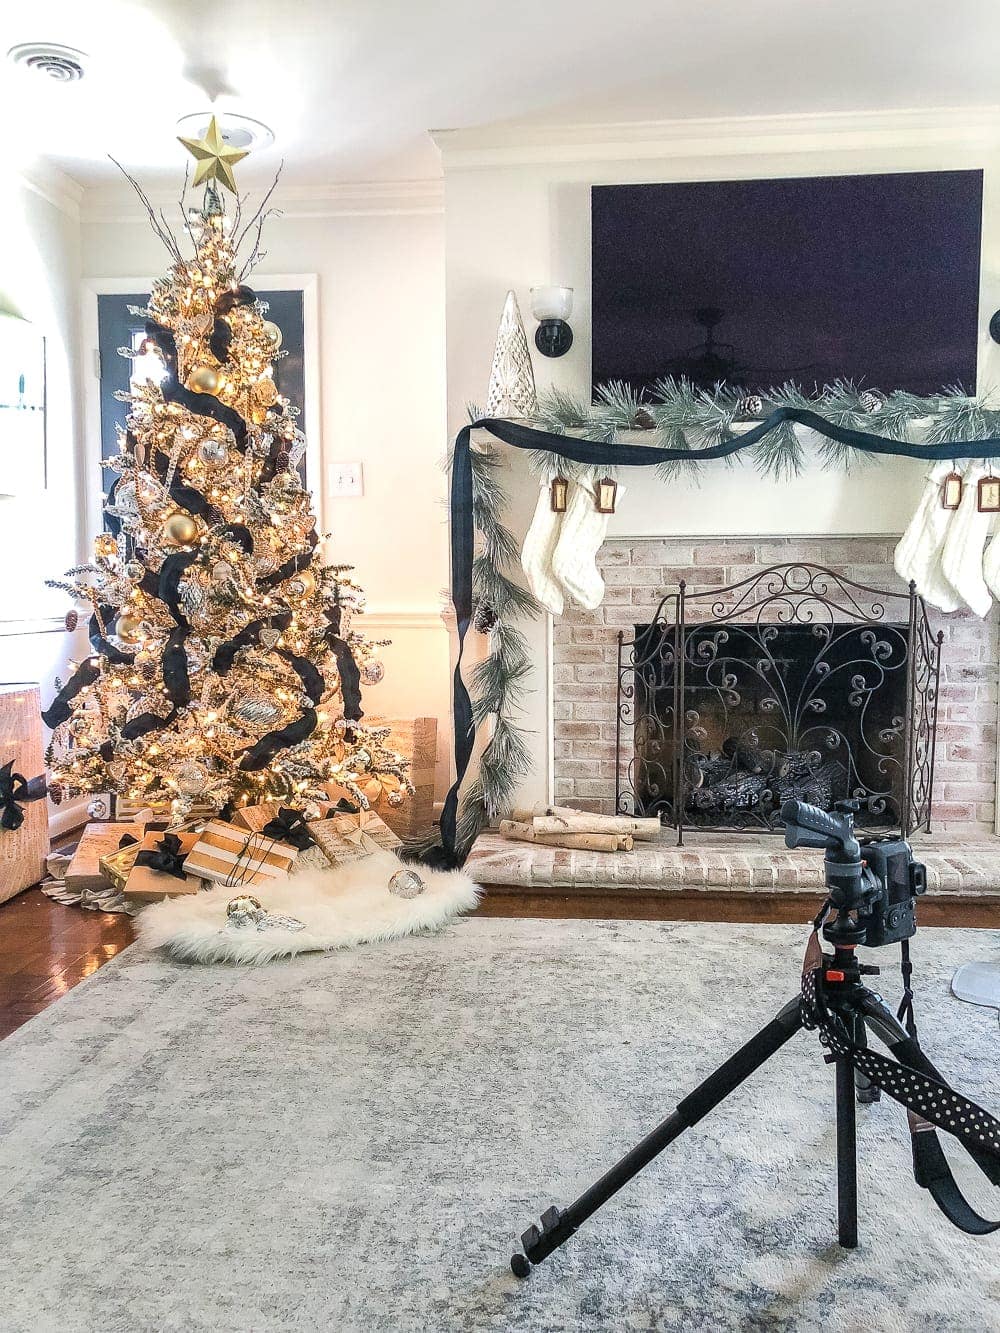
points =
(580, 822)
(584, 842)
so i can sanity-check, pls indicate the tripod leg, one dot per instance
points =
(867, 1091)
(847, 1157)
(557, 1225)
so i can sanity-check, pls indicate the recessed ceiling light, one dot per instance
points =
(63, 63)
(236, 130)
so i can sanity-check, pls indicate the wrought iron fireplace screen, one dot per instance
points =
(795, 682)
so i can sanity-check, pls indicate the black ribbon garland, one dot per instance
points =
(16, 790)
(350, 676)
(292, 566)
(268, 746)
(166, 857)
(598, 453)
(225, 654)
(100, 644)
(59, 710)
(203, 404)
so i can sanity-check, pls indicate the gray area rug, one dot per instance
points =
(354, 1141)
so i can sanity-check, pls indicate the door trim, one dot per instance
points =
(92, 288)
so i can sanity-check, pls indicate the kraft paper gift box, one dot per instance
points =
(145, 882)
(238, 857)
(97, 841)
(254, 817)
(346, 838)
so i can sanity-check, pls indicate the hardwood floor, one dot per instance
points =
(46, 948)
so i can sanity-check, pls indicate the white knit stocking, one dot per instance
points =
(962, 555)
(918, 554)
(991, 567)
(536, 552)
(574, 561)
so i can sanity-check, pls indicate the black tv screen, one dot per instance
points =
(873, 279)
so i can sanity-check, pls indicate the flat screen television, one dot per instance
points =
(873, 279)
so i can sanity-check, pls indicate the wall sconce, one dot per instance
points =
(552, 307)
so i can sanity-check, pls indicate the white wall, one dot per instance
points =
(41, 533)
(517, 213)
(379, 257)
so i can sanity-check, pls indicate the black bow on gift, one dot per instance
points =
(288, 826)
(343, 807)
(15, 791)
(166, 857)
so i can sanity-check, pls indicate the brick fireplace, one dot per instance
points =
(637, 572)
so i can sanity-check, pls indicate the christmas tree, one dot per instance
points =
(224, 668)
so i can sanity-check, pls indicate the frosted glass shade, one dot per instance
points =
(552, 302)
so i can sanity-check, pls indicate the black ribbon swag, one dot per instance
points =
(601, 454)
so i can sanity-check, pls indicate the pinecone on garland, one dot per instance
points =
(485, 618)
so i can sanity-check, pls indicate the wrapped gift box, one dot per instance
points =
(345, 838)
(22, 850)
(96, 842)
(145, 882)
(116, 866)
(254, 817)
(227, 854)
(416, 740)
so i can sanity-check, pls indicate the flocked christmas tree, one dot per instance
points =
(224, 666)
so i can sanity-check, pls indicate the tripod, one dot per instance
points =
(831, 982)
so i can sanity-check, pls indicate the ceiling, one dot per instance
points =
(351, 87)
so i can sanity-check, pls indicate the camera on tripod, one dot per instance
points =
(873, 883)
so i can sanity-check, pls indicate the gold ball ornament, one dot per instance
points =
(203, 379)
(105, 544)
(272, 333)
(180, 530)
(303, 583)
(129, 629)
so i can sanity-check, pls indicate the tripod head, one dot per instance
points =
(871, 884)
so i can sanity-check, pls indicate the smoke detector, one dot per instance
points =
(63, 63)
(237, 131)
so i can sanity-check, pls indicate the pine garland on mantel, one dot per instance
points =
(679, 416)
(676, 415)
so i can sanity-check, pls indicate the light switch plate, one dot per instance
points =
(345, 479)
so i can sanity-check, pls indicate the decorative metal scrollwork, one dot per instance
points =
(794, 682)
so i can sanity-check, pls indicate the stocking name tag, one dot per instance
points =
(951, 491)
(988, 496)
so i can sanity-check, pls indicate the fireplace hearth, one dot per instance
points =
(797, 682)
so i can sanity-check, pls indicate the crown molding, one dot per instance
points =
(116, 203)
(518, 145)
(54, 186)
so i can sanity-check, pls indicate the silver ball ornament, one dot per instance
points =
(213, 453)
(372, 672)
(406, 884)
(191, 777)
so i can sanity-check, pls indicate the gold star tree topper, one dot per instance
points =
(214, 157)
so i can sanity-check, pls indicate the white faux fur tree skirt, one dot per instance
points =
(340, 909)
